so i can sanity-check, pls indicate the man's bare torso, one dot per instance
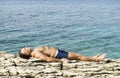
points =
(45, 50)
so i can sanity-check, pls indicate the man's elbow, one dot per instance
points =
(49, 60)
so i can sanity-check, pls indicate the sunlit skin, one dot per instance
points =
(48, 54)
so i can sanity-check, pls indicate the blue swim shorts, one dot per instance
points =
(62, 54)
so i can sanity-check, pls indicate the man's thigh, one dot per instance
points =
(73, 56)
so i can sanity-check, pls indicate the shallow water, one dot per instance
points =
(86, 29)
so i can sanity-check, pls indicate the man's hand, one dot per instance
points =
(64, 60)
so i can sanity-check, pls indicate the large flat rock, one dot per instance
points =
(12, 66)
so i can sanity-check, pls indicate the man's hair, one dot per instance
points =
(22, 55)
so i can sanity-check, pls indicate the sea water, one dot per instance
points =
(85, 27)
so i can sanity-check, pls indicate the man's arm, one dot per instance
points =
(43, 57)
(50, 59)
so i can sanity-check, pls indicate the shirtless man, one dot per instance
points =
(51, 54)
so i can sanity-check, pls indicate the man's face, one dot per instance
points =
(26, 50)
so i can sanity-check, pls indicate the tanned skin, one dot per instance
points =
(48, 54)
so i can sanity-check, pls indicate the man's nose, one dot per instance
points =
(27, 47)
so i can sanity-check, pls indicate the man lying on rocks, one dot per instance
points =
(51, 54)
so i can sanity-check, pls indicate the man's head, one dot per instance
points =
(25, 52)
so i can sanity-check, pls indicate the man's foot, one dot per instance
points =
(96, 56)
(101, 58)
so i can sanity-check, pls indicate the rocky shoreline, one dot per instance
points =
(12, 66)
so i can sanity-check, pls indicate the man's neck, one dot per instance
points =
(31, 53)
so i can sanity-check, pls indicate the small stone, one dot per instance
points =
(1, 59)
(29, 70)
(72, 74)
(10, 56)
(12, 71)
(3, 72)
(49, 70)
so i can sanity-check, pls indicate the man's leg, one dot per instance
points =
(75, 56)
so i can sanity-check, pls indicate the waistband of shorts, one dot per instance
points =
(56, 52)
